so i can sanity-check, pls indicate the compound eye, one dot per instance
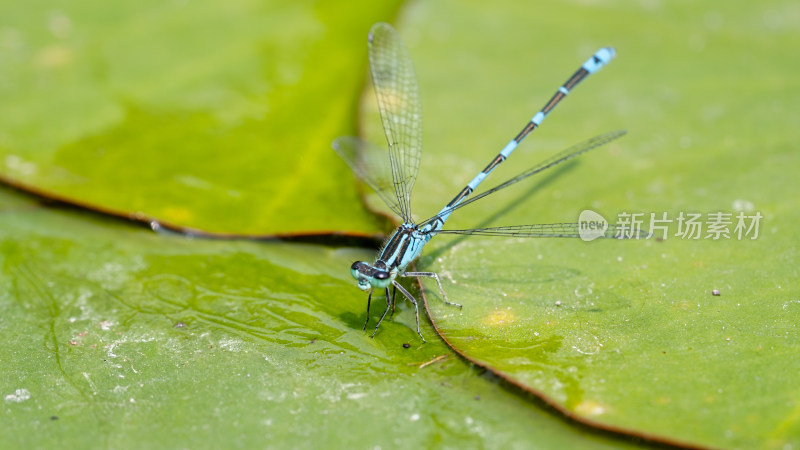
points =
(381, 275)
(355, 269)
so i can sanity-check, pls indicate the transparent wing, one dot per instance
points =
(565, 155)
(370, 164)
(398, 101)
(567, 230)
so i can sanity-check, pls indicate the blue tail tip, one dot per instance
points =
(600, 59)
(606, 54)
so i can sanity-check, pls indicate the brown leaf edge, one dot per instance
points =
(542, 400)
(49, 199)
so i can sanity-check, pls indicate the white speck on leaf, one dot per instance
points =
(19, 396)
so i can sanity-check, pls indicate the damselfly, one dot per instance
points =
(392, 176)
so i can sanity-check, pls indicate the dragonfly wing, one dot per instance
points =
(567, 230)
(370, 164)
(398, 101)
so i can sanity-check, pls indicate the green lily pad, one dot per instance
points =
(684, 340)
(208, 115)
(115, 336)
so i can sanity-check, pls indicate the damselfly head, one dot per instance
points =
(361, 271)
(369, 277)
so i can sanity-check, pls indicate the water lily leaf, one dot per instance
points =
(209, 115)
(116, 336)
(685, 339)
